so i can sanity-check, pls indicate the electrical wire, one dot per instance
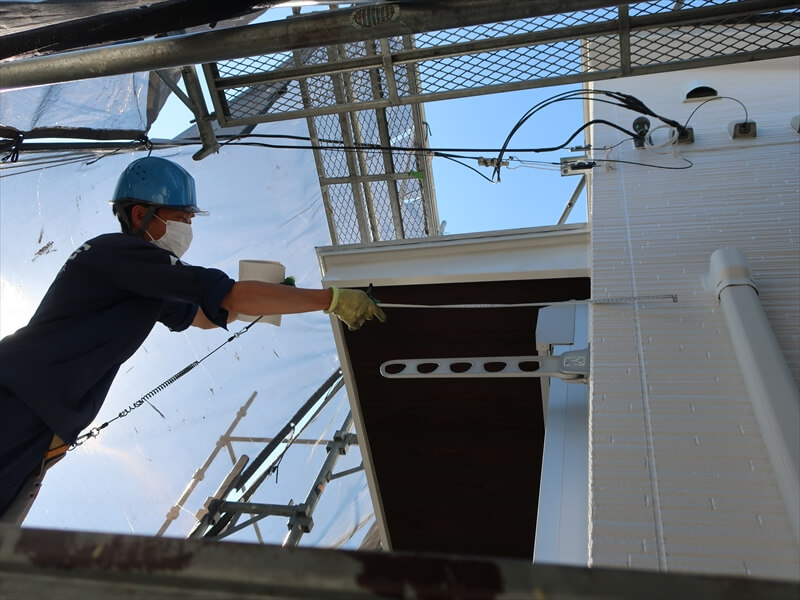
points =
(340, 146)
(532, 164)
(699, 106)
(50, 166)
(46, 160)
(95, 431)
(590, 162)
(88, 155)
(640, 164)
(670, 141)
(607, 148)
(463, 164)
(616, 99)
(624, 100)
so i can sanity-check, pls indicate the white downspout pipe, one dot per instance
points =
(770, 385)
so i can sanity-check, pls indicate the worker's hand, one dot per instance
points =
(353, 307)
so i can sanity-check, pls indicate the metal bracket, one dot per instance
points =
(305, 523)
(576, 165)
(572, 366)
(195, 102)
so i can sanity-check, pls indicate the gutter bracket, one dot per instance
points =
(728, 266)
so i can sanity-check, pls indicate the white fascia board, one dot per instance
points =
(535, 253)
(363, 439)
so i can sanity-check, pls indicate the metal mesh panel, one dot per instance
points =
(334, 163)
(666, 6)
(365, 124)
(602, 53)
(512, 55)
(460, 35)
(412, 208)
(320, 92)
(673, 44)
(386, 174)
(343, 213)
(366, 93)
(258, 99)
(383, 222)
(380, 220)
(726, 38)
(254, 64)
(496, 68)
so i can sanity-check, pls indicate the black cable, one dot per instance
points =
(533, 162)
(95, 431)
(52, 166)
(568, 95)
(339, 146)
(13, 147)
(581, 128)
(619, 99)
(630, 162)
(717, 98)
(618, 143)
(471, 168)
(624, 100)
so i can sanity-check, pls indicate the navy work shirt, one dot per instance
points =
(98, 311)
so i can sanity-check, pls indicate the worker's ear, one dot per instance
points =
(138, 213)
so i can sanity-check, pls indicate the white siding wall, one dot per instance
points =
(679, 475)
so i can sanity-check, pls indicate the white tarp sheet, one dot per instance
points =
(118, 103)
(265, 204)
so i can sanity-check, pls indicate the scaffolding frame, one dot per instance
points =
(364, 95)
(218, 518)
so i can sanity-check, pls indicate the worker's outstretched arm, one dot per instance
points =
(260, 298)
(203, 322)
(353, 307)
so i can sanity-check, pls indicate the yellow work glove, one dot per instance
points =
(353, 307)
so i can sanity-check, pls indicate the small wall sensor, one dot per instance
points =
(641, 126)
(742, 129)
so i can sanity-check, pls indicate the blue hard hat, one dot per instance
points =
(158, 182)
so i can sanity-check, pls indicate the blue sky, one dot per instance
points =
(525, 196)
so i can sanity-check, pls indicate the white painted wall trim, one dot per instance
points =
(562, 524)
(535, 253)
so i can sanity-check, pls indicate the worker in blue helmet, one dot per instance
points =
(56, 371)
(155, 183)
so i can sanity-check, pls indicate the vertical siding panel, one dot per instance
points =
(680, 478)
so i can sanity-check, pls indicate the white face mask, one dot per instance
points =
(177, 238)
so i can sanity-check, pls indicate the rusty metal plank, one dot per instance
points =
(37, 563)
